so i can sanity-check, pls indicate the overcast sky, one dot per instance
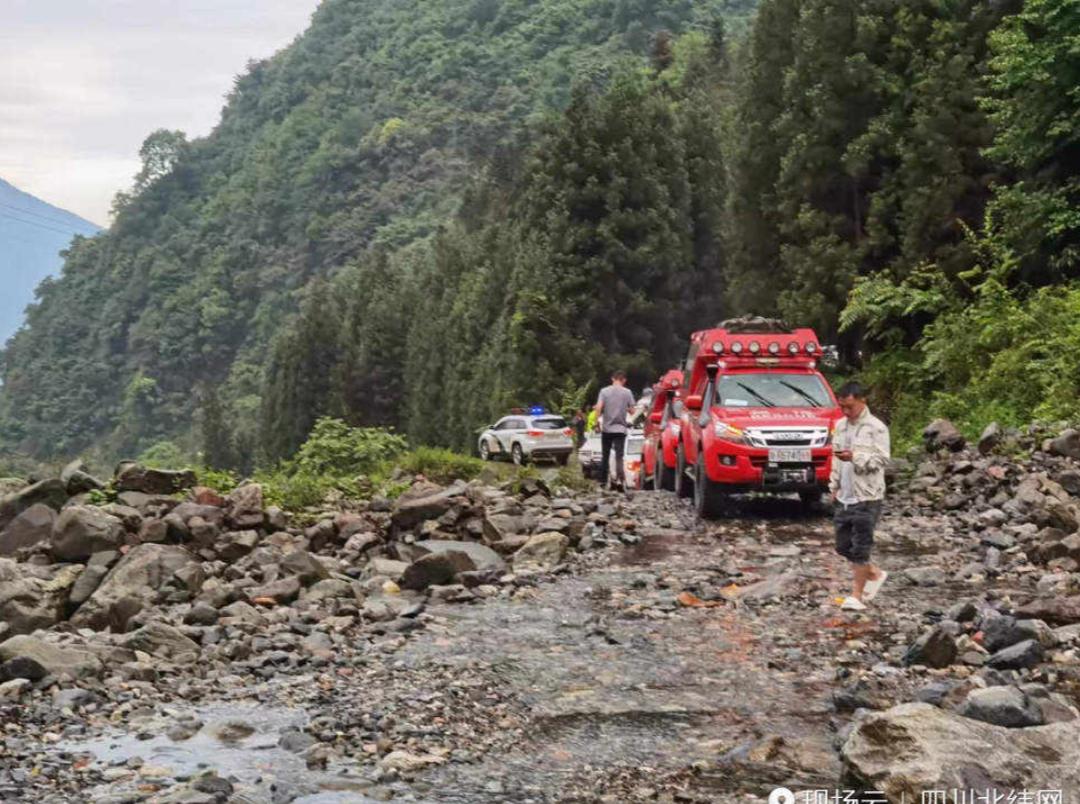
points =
(82, 82)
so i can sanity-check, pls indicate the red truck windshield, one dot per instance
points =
(772, 390)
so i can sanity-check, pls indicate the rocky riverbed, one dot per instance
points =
(524, 643)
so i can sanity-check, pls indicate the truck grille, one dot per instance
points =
(788, 436)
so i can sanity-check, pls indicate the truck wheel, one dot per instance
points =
(667, 476)
(485, 451)
(517, 455)
(647, 482)
(684, 486)
(708, 496)
(562, 460)
(809, 499)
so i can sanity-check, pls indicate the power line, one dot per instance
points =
(9, 216)
(23, 211)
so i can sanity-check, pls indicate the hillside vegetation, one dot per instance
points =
(389, 229)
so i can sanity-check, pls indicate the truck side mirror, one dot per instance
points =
(656, 417)
(694, 402)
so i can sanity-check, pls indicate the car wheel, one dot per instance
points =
(684, 486)
(708, 496)
(517, 455)
(562, 460)
(485, 451)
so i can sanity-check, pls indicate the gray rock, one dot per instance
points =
(163, 641)
(133, 583)
(22, 667)
(1067, 444)
(304, 566)
(1070, 481)
(30, 528)
(991, 436)
(28, 600)
(483, 557)
(237, 544)
(388, 567)
(47, 492)
(1052, 610)
(436, 569)
(544, 551)
(201, 613)
(81, 531)
(1002, 706)
(410, 511)
(935, 648)
(135, 477)
(13, 690)
(245, 506)
(87, 583)
(77, 480)
(917, 747)
(1015, 657)
(925, 576)
(941, 433)
(58, 660)
(283, 590)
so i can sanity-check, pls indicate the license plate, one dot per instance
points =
(790, 455)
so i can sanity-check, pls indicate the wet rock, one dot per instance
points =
(943, 434)
(30, 528)
(1015, 657)
(56, 659)
(295, 741)
(81, 531)
(436, 569)
(136, 477)
(23, 667)
(935, 648)
(49, 492)
(133, 583)
(1002, 706)
(943, 751)
(544, 551)
(163, 641)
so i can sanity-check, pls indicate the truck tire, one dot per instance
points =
(684, 486)
(517, 455)
(562, 460)
(708, 496)
(810, 499)
(485, 451)
(666, 481)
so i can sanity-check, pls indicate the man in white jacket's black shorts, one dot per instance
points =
(857, 483)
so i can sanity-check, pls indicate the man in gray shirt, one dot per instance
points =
(612, 409)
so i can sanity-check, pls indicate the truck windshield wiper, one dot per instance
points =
(764, 401)
(813, 402)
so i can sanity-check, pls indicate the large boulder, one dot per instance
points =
(482, 556)
(544, 551)
(305, 567)
(916, 747)
(1052, 610)
(935, 648)
(56, 659)
(943, 434)
(33, 598)
(436, 569)
(32, 527)
(135, 582)
(163, 641)
(245, 506)
(136, 477)
(82, 530)
(77, 480)
(411, 510)
(49, 492)
(1002, 706)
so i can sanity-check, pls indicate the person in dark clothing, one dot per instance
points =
(579, 427)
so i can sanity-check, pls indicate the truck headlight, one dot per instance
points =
(725, 432)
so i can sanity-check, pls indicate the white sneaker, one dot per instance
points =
(853, 604)
(872, 587)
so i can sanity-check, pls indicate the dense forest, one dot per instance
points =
(421, 213)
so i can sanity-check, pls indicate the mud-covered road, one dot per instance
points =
(696, 663)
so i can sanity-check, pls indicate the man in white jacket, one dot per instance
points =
(857, 483)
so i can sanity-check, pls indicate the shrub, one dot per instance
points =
(334, 448)
(440, 465)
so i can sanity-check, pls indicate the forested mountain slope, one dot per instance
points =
(361, 134)
(32, 235)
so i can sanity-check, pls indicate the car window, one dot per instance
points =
(501, 424)
(515, 424)
(549, 424)
(772, 390)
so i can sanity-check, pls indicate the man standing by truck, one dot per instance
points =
(612, 408)
(857, 483)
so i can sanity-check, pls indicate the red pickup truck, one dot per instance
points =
(758, 416)
(662, 427)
